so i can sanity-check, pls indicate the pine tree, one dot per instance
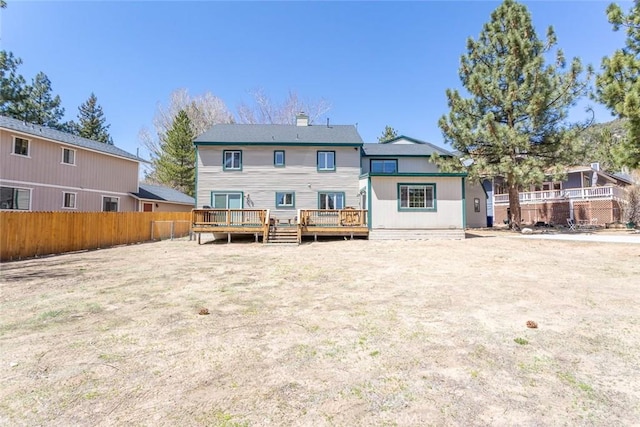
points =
(175, 164)
(388, 134)
(618, 87)
(514, 122)
(12, 86)
(91, 121)
(40, 106)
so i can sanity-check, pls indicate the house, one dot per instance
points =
(42, 169)
(322, 180)
(588, 195)
(407, 196)
(157, 198)
(278, 167)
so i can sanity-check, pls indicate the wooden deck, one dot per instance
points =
(230, 221)
(308, 222)
(343, 222)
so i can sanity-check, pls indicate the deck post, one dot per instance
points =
(256, 236)
(228, 237)
(199, 234)
(315, 237)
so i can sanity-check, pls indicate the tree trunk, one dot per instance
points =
(515, 217)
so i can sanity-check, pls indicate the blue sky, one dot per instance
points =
(377, 63)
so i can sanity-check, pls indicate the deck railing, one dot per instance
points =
(332, 217)
(230, 217)
(588, 193)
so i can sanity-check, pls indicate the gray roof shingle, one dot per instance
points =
(273, 134)
(67, 138)
(160, 193)
(422, 149)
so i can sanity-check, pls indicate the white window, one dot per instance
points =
(15, 198)
(416, 196)
(226, 200)
(20, 146)
(330, 200)
(69, 200)
(285, 199)
(110, 204)
(232, 160)
(326, 160)
(68, 156)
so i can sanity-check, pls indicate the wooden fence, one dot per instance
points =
(30, 234)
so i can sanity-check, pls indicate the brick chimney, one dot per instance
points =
(302, 119)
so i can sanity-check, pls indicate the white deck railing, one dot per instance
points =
(589, 193)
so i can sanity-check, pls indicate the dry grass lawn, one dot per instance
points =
(341, 333)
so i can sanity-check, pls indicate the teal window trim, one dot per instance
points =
(224, 160)
(432, 185)
(275, 159)
(384, 161)
(325, 169)
(342, 193)
(226, 192)
(284, 193)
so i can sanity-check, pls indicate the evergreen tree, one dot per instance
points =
(91, 121)
(40, 106)
(514, 122)
(175, 164)
(388, 134)
(12, 86)
(618, 87)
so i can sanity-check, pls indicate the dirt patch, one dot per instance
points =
(330, 333)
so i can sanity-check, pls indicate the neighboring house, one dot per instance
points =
(408, 197)
(587, 195)
(42, 169)
(282, 168)
(156, 198)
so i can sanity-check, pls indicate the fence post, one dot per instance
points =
(172, 222)
(152, 229)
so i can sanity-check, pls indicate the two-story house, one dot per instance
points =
(42, 169)
(293, 173)
(278, 167)
(587, 195)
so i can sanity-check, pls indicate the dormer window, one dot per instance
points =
(384, 165)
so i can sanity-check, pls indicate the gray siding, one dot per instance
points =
(259, 179)
(94, 174)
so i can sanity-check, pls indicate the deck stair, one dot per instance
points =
(283, 235)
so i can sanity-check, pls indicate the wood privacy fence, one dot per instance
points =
(29, 234)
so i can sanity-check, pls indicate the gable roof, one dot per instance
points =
(421, 149)
(64, 137)
(280, 135)
(161, 193)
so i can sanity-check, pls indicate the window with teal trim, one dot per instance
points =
(416, 196)
(278, 158)
(328, 200)
(384, 165)
(285, 199)
(232, 160)
(226, 200)
(326, 160)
